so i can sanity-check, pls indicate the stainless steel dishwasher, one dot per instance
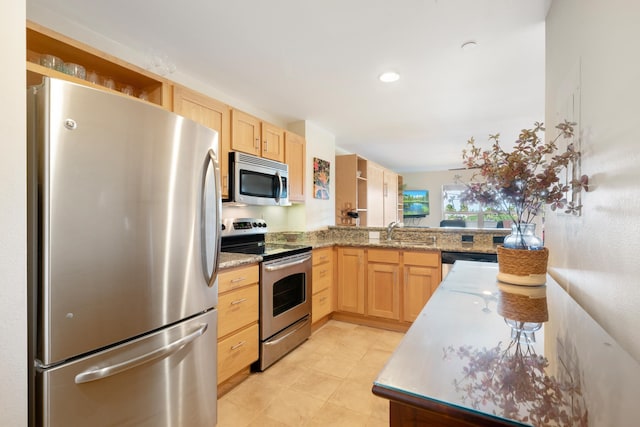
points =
(449, 258)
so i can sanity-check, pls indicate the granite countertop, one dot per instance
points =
(431, 239)
(407, 238)
(231, 260)
(461, 357)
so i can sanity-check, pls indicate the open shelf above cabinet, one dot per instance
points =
(43, 41)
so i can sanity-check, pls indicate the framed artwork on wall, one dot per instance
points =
(321, 178)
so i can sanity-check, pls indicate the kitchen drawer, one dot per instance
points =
(321, 277)
(237, 277)
(321, 305)
(426, 259)
(384, 255)
(237, 309)
(321, 256)
(237, 351)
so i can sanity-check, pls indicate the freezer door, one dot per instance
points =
(129, 218)
(168, 378)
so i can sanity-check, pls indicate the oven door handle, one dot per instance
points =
(288, 334)
(276, 267)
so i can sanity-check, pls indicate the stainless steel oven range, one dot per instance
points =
(285, 287)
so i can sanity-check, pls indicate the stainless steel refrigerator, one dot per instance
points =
(124, 218)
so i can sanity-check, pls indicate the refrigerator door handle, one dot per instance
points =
(164, 351)
(211, 238)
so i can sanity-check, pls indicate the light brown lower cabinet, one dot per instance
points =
(238, 311)
(383, 284)
(396, 286)
(351, 280)
(237, 351)
(321, 283)
(422, 273)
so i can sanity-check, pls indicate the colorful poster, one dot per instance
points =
(321, 178)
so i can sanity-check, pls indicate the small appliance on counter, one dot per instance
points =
(285, 287)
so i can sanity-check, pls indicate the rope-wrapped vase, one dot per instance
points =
(522, 266)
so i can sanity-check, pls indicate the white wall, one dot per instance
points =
(318, 213)
(595, 256)
(13, 282)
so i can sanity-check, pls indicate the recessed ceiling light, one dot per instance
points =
(389, 77)
(468, 45)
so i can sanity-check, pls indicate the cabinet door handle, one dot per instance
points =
(237, 346)
(257, 146)
(266, 145)
(238, 279)
(323, 299)
(238, 301)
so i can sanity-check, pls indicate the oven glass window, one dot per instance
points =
(288, 292)
(258, 184)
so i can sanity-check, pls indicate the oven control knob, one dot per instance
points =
(223, 227)
(255, 225)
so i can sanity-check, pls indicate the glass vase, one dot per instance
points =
(523, 237)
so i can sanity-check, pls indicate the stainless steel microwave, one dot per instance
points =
(257, 181)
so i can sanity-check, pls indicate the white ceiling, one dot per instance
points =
(318, 60)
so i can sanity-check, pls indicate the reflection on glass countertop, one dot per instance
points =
(530, 355)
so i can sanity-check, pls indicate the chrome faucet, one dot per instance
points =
(390, 227)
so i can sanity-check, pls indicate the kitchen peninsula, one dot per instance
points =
(469, 359)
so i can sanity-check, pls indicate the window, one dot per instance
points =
(474, 214)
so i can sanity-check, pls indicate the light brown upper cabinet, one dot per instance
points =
(213, 114)
(124, 78)
(295, 157)
(390, 197)
(351, 190)
(252, 136)
(272, 142)
(375, 195)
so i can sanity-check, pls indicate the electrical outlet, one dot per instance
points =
(374, 235)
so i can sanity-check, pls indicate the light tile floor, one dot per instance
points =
(325, 382)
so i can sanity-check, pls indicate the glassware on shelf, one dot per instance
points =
(53, 62)
(75, 70)
(108, 82)
(93, 77)
(127, 90)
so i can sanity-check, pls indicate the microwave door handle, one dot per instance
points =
(210, 238)
(279, 191)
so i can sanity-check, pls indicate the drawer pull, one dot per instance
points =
(323, 299)
(238, 279)
(238, 301)
(237, 346)
(323, 273)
